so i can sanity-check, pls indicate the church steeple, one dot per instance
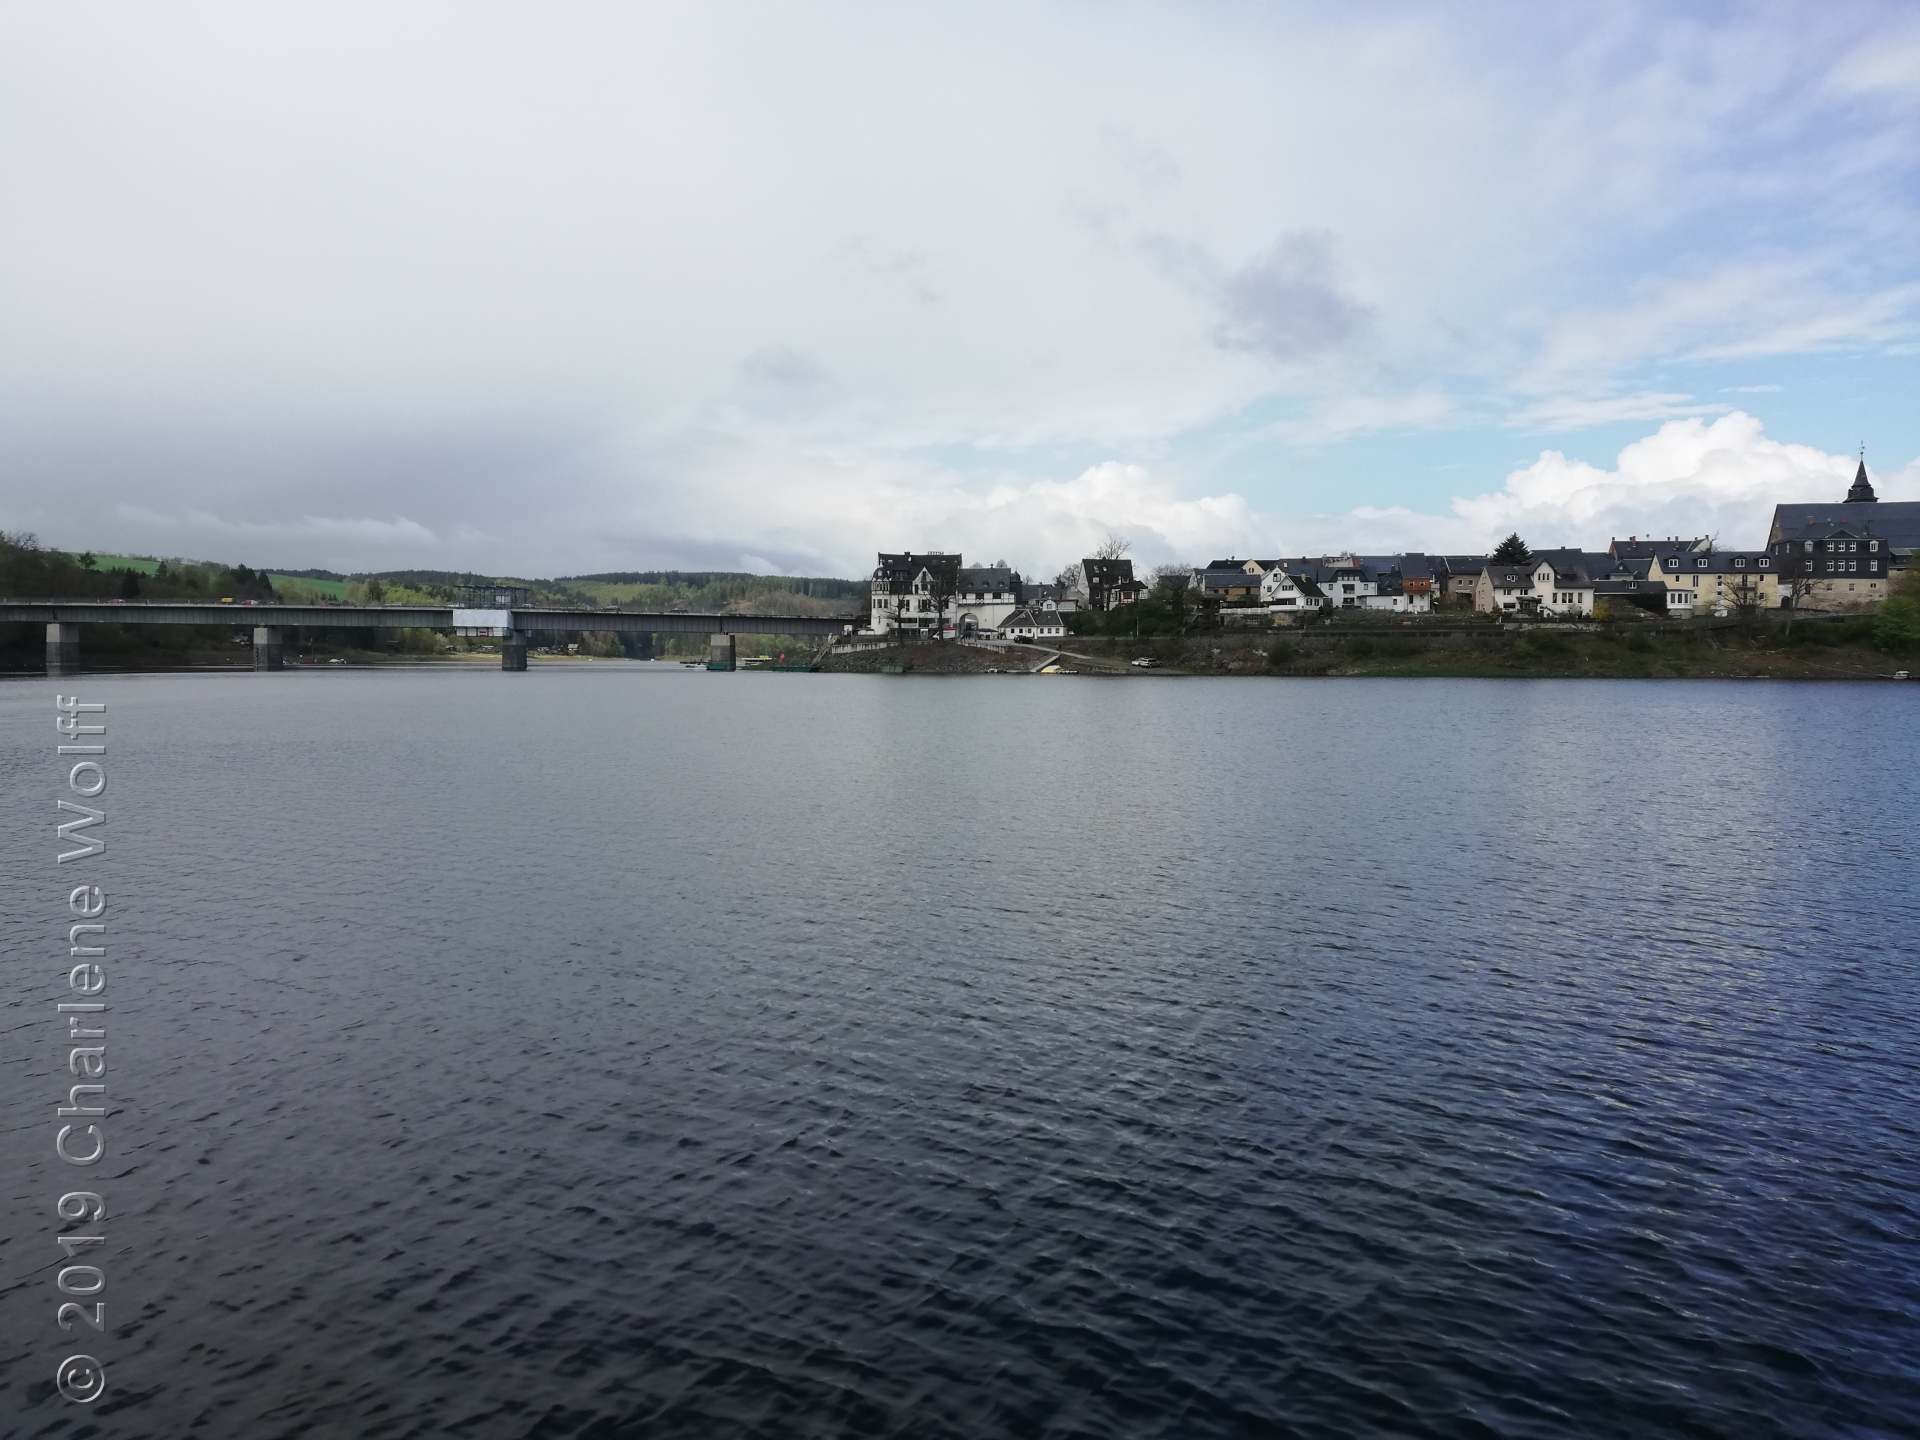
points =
(1862, 488)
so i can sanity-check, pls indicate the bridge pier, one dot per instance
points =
(720, 652)
(513, 650)
(63, 649)
(269, 647)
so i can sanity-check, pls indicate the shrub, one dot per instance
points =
(1282, 653)
(1897, 626)
(1359, 646)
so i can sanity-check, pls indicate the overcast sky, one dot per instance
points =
(568, 287)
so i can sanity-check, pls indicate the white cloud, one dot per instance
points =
(399, 534)
(1691, 477)
(1579, 413)
(1336, 417)
(666, 284)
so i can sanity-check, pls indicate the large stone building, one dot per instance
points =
(1844, 555)
(934, 594)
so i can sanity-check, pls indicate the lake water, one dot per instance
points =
(631, 1051)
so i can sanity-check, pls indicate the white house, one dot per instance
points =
(1284, 592)
(1032, 623)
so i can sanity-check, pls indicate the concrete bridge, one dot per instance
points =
(65, 620)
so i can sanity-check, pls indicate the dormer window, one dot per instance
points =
(1739, 564)
(1764, 562)
(1701, 564)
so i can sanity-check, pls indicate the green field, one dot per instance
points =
(329, 589)
(147, 564)
(139, 564)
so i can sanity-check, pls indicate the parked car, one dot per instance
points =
(1143, 663)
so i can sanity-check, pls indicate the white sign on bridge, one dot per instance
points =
(481, 622)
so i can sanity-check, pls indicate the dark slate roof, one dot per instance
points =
(1029, 618)
(1722, 562)
(1106, 572)
(1861, 491)
(1574, 567)
(1629, 587)
(1510, 577)
(1301, 579)
(984, 579)
(1635, 547)
(1228, 580)
(1895, 521)
(899, 570)
(1417, 565)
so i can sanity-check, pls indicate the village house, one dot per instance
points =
(1107, 584)
(1417, 571)
(1702, 582)
(1229, 585)
(1455, 578)
(1286, 592)
(1050, 597)
(1033, 623)
(1347, 583)
(1551, 582)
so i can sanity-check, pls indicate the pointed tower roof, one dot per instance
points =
(1862, 488)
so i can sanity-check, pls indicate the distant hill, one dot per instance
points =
(707, 590)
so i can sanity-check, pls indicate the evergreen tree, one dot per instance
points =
(1512, 551)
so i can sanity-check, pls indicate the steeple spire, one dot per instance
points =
(1862, 487)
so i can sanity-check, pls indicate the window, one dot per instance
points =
(1739, 564)
(1700, 564)
(1764, 562)
(1873, 545)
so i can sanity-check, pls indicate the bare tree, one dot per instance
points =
(1172, 578)
(1069, 576)
(1114, 547)
(1741, 597)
